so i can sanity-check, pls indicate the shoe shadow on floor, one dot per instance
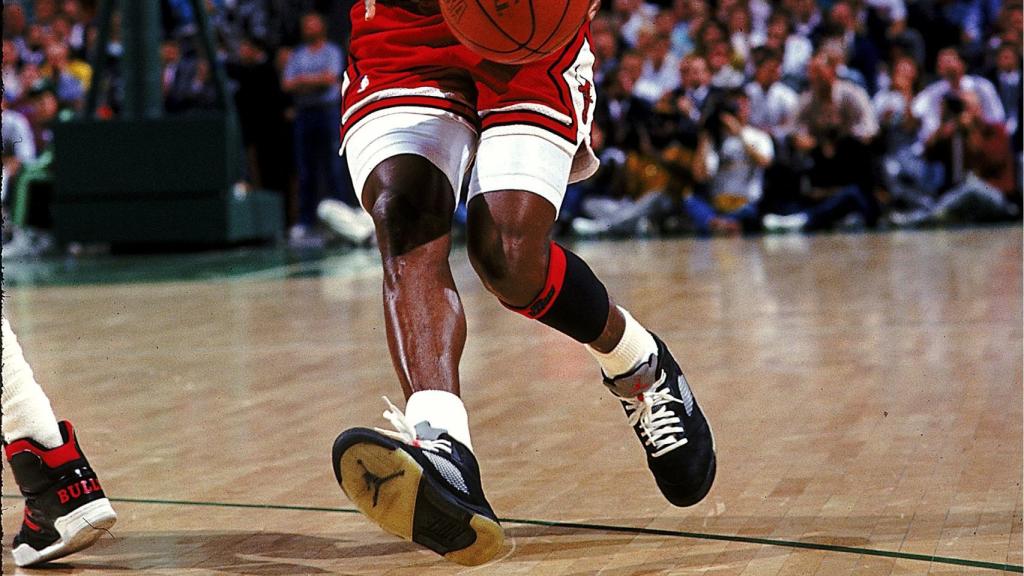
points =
(249, 553)
(284, 554)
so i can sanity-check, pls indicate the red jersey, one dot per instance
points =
(407, 56)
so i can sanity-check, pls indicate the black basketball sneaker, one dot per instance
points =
(65, 507)
(419, 484)
(671, 426)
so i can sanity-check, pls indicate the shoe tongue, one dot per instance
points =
(636, 381)
(424, 431)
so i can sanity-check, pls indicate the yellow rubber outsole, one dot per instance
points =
(389, 499)
(489, 540)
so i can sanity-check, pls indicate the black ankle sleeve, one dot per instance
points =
(573, 300)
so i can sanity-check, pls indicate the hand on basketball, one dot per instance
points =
(595, 7)
(371, 9)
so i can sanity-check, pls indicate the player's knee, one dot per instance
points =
(404, 222)
(409, 209)
(510, 263)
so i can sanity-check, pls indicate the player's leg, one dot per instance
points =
(525, 158)
(421, 481)
(412, 204)
(65, 507)
(511, 250)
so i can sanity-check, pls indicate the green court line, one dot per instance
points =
(622, 529)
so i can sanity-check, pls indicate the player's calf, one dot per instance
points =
(66, 509)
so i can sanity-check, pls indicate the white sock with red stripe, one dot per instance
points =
(442, 410)
(26, 409)
(636, 346)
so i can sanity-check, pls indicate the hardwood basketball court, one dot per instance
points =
(865, 390)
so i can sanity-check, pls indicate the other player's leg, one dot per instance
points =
(420, 481)
(65, 507)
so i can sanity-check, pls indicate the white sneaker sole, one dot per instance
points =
(79, 529)
(349, 223)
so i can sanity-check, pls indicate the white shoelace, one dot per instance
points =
(406, 432)
(658, 424)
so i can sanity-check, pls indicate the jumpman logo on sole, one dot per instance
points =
(375, 482)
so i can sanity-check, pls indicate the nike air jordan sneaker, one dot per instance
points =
(670, 425)
(419, 484)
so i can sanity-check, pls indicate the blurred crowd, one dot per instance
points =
(712, 117)
(744, 115)
(282, 58)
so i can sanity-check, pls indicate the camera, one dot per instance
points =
(953, 104)
(717, 105)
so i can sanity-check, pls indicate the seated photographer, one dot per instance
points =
(906, 176)
(928, 105)
(978, 166)
(736, 155)
(657, 174)
(835, 126)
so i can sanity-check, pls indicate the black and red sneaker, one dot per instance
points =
(65, 508)
(421, 485)
(670, 425)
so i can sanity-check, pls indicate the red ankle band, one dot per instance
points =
(52, 457)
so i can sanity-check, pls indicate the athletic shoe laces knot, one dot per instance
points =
(406, 432)
(660, 426)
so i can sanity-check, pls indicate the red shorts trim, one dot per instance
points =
(458, 108)
(563, 131)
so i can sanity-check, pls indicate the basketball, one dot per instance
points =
(515, 31)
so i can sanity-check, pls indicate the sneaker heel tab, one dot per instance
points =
(67, 432)
(50, 457)
(21, 445)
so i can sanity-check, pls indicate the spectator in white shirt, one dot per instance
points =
(634, 16)
(723, 73)
(660, 72)
(773, 105)
(904, 172)
(740, 35)
(927, 106)
(737, 155)
(796, 50)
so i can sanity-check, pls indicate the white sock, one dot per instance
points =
(636, 346)
(26, 409)
(442, 410)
